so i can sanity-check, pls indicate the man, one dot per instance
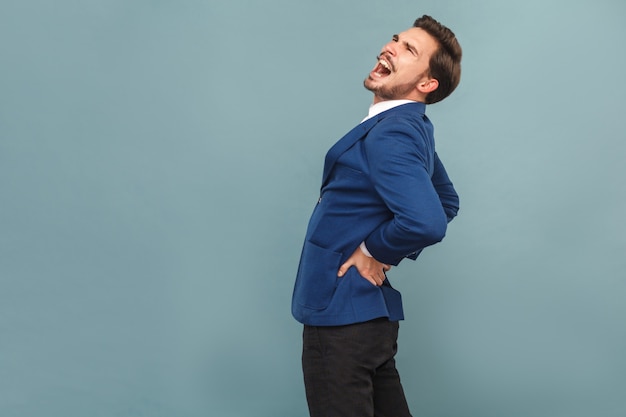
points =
(385, 196)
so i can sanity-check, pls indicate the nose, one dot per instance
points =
(390, 48)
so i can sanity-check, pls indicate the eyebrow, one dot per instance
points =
(405, 43)
(410, 47)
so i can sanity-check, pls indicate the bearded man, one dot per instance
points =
(385, 196)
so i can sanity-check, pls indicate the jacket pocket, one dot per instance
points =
(317, 276)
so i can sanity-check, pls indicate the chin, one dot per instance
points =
(371, 85)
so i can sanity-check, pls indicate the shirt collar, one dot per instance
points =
(382, 106)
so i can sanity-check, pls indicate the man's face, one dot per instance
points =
(402, 67)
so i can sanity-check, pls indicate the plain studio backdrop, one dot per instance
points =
(159, 161)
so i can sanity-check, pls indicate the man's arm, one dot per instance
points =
(369, 267)
(396, 168)
(398, 158)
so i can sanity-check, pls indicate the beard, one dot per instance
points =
(390, 91)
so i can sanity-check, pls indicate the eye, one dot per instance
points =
(395, 38)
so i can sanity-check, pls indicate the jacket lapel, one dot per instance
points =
(411, 110)
(344, 144)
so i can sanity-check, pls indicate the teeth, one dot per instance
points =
(384, 64)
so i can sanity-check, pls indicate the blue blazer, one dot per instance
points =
(383, 184)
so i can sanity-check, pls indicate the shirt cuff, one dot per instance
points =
(364, 250)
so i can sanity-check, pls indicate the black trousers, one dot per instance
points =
(350, 371)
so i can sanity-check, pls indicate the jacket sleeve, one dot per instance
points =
(447, 195)
(398, 159)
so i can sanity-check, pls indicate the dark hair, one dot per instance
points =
(445, 63)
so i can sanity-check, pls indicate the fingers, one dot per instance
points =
(376, 278)
(373, 281)
(380, 278)
(368, 268)
(343, 268)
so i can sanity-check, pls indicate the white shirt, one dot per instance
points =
(382, 106)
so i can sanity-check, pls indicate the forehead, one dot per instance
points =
(420, 39)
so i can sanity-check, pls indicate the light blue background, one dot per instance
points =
(159, 161)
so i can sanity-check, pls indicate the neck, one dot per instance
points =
(378, 99)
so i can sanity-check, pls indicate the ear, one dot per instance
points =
(428, 85)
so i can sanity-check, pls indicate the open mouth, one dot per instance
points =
(382, 69)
